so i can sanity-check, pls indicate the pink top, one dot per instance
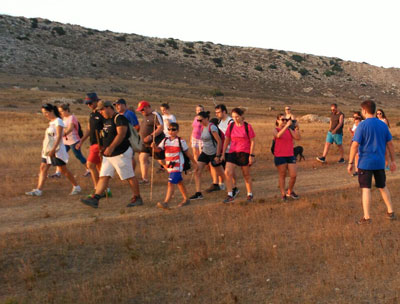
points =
(240, 141)
(197, 128)
(284, 144)
(72, 137)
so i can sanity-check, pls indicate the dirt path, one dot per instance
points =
(27, 214)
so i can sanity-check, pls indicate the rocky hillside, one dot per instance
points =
(40, 47)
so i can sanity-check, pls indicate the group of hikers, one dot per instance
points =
(218, 144)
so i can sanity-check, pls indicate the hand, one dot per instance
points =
(148, 139)
(217, 159)
(78, 145)
(350, 169)
(252, 160)
(222, 158)
(108, 151)
(393, 166)
(52, 153)
(153, 145)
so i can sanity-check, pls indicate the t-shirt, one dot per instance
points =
(372, 136)
(95, 123)
(284, 144)
(50, 139)
(240, 141)
(209, 147)
(335, 119)
(223, 124)
(110, 132)
(196, 129)
(73, 136)
(132, 118)
(173, 153)
(147, 126)
(167, 119)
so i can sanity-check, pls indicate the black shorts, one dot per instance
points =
(157, 155)
(240, 159)
(365, 178)
(54, 161)
(205, 158)
(280, 160)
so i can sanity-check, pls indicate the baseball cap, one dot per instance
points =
(102, 104)
(91, 97)
(119, 101)
(142, 104)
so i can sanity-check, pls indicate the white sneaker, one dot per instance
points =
(34, 192)
(76, 190)
(222, 186)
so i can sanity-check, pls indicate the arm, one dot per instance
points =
(353, 152)
(295, 133)
(252, 159)
(59, 131)
(390, 147)
(121, 132)
(339, 125)
(219, 144)
(226, 143)
(84, 137)
(69, 129)
(280, 133)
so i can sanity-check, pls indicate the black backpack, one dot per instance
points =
(80, 132)
(186, 164)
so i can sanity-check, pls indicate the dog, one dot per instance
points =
(298, 153)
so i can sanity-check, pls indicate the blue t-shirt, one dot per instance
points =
(372, 135)
(131, 117)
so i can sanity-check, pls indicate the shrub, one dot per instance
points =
(34, 23)
(272, 67)
(216, 93)
(59, 30)
(90, 32)
(206, 52)
(207, 45)
(218, 62)
(188, 51)
(337, 68)
(282, 52)
(298, 58)
(290, 65)
(47, 21)
(22, 37)
(120, 38)
(172, 43)
(269, 50)
(304, 72)
(332, 62)
(189, 44)
(329, 73)
(258, 68)
(161, 44)
(162, 52)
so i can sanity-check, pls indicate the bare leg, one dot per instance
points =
(356, 163)
(341, 151)
(133, 163)
(182, 189)
(196, 153)
(366, 201)
(170, 192)
(102, 184)
(293, 174)
(134, 185)
(282, 175)
(247, 179)
(144, 165)
(229, 169)
(197, 175)
(64, 171)
(44, 168)
(94, 172)
(326, 149)
(387, 199)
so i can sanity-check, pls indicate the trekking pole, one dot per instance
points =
(98, 144)
(152, 157)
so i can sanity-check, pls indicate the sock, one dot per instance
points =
(230, 193)
(249, 193)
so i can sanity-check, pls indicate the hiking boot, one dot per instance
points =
(363, 221)
(135, 201)
(54, 175)
(321, 159)
(34, 192)
(196, 196)
(75, 190)
(106, 194)
(229, 199)
(250, 198)
(212, 188)
(184, 203)
(390, 216)
(144, 182)
(292, 195)
(235, 192)
(341, 161)
(163, 206)
(91, 202)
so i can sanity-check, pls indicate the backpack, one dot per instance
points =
(134, 138)
(221, 135)
(186, 163)
(80, 132)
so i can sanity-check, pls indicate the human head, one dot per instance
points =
(333, 107)
(64, 110)
(105, 108)
(220, 111)
(357, 119)
(91, 100)
(357, 114)
(173, 128)
(368, 107)
(120, 105)
(144, 107)
(164, 108)
(380, 114)
(203, 117)
(288, 109)
(237, 114)
(199, 108)
(50, 111)
(280, 120)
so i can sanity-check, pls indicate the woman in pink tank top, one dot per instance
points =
(284, 159)
(195, 138)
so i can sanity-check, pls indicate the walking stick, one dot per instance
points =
(152, 158)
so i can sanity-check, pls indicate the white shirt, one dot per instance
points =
(50, 139)
(167, 119)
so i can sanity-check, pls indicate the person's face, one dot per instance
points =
(282, 121)
(219, 113)
(333, 109)
(47, 114)
(172, 131)
(106, 112)
(199, 109)
(63, 113)
(287, 109)
(120, 107)
(379, 114)
(145, 111)
(202, 120)
(92, 105)
(237, 118)
(164, 110)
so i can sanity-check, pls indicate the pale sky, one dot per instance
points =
(362, 31)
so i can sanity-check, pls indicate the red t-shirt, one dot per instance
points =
(284, 144)
(240, 141)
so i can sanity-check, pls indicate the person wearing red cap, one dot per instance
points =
(151, 128)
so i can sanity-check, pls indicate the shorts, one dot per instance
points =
(175, 178)
(157, 155)
(197, 143)
(54, 161)
(94, 154)
(365, 178)
(281, 160)
(205, 158)
(334, 138)
(121, 163)
(240, 159)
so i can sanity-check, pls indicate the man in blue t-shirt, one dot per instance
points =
(371, 139)
(120, 106)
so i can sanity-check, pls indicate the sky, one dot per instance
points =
(362, 31)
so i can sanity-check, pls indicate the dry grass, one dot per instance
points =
(55, 250)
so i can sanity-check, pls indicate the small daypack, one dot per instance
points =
(80, 132)
(134, 138)
(186, 164)
(221, 135)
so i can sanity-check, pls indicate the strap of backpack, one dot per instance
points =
(246, 127)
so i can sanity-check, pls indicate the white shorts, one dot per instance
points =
(121, 163)
(197, 143)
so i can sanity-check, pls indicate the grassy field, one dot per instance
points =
(53, 249)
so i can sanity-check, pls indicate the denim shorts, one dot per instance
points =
(334, 138)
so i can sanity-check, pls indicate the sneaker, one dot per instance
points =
(144, 182)
(292, 195)
(184, 203)
(229, 199)
(235, 192)
(91, 202)
(355, 174)
(387, 168)
(135, 201)
(390, 216)
(363, 221)
(197, 195)
(34, 192)
(321, 159)
(107, 193)
(163, 206)
(250, 198)
(213, 188)
(341, 161)
(87, 173)
(222, 186)
(75, 190)
(284, 198)
(54, 175)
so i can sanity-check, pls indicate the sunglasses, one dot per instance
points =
(199, 120)
(287, 109)
(172, 129)
(378, 113)
(284, 119)
(89, 103)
